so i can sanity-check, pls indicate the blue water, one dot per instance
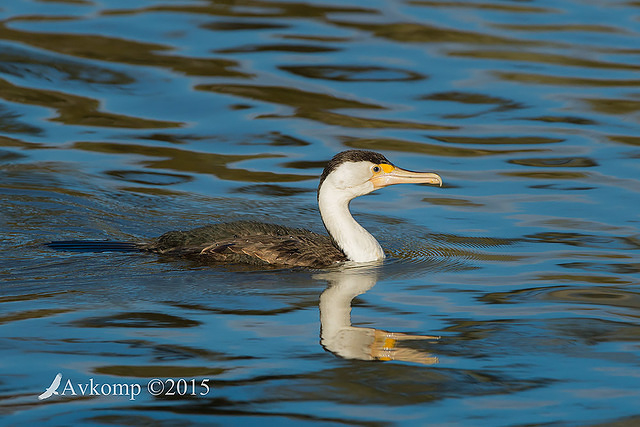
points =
(124, 120)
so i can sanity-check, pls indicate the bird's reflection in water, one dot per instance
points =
(341, 338)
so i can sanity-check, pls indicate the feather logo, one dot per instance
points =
(53, 388)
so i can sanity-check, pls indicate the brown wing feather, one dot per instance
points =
(277, 250)
(250, 242)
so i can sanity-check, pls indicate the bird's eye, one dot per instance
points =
(376, 169)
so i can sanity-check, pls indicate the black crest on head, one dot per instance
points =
(352, 156)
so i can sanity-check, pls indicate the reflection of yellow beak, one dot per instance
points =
(391, 175)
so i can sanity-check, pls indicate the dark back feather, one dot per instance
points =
(250, 242)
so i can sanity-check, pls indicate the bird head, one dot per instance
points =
(355, 173)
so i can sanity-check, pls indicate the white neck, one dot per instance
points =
(356, 242)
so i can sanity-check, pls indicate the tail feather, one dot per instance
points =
(94, 246)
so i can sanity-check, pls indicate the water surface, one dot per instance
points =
(123, 120)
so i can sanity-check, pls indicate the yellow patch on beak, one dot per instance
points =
(386, 168)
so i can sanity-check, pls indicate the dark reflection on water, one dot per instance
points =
(353, 73)
(138, 320)
(123, 121)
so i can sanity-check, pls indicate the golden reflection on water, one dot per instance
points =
(387, 144)
(546, 79)
(251, 8)
(626, 139)
(117, 50)
(76, 110)
(292, 97)
(595, 295)
(189, 161)
(545, 58)
(408, 32)
(514, 8)
(569, 162)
